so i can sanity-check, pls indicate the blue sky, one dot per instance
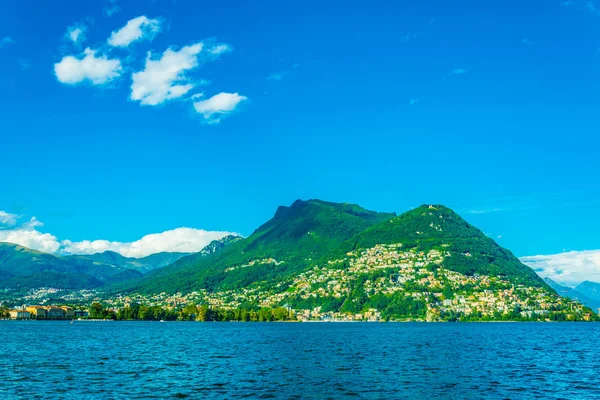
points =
(491, 108)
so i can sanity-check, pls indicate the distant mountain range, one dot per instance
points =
(23, 268)
(589, 289)
(587, 293)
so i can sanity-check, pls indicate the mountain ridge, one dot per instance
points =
(24, 268)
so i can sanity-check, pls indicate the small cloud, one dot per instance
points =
(591, 7)
(499, 237)
(32, 224)
(456, 71)
(109, 11)
(414, 102)
(486, 210)
(408, 37)
(24, 64)
(219, 106)
(76, 33)
(72, 70)
(219, 49)
(277, 76)
(5, 41)
(136, 29)
(431, 21)
(527, 42)
(197, 96)
(165, 78)
(7, 219)
(567, 3)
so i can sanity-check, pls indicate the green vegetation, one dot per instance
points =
(22, 268)
(340, 261)
(437, 227)
(190, 312)
(293, 239)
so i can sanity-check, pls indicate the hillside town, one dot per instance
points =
(331, 292)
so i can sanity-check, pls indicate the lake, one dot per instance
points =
(46, 359)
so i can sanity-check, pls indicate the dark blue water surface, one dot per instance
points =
(298, 360)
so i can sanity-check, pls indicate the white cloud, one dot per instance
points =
(408, 37)
(26, 235)
(76, 33)
(8, 219)
(175, 240)
(527, 42)
(31, 239)
(24, 64)
(165, 78)
(97, 70)
(458, 71)
(5, 41)
(277, 76)
(219, 49)
(136, 29)
(487, 210)
(218, 106)
(111, 10)
(591, 7)
(570, 268)
(413, 102)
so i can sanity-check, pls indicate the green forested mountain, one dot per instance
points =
(323, 260)
(429, 227)
(328, 260)
(23, 268)
(312, 232)
(293, 239)
(143, 265)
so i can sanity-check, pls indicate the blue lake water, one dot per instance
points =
(298, 360)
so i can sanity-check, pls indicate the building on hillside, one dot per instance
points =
(55, 312)
(69, 312)
(37, 312)
(80, 313)
(19, 314)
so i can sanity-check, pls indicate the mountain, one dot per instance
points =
(341, 261)
(589, 289)
(143, 265)
(25, 268)
(290, 241)
(573, 294)
(324, 260)
(435, 227)
(216, 245)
